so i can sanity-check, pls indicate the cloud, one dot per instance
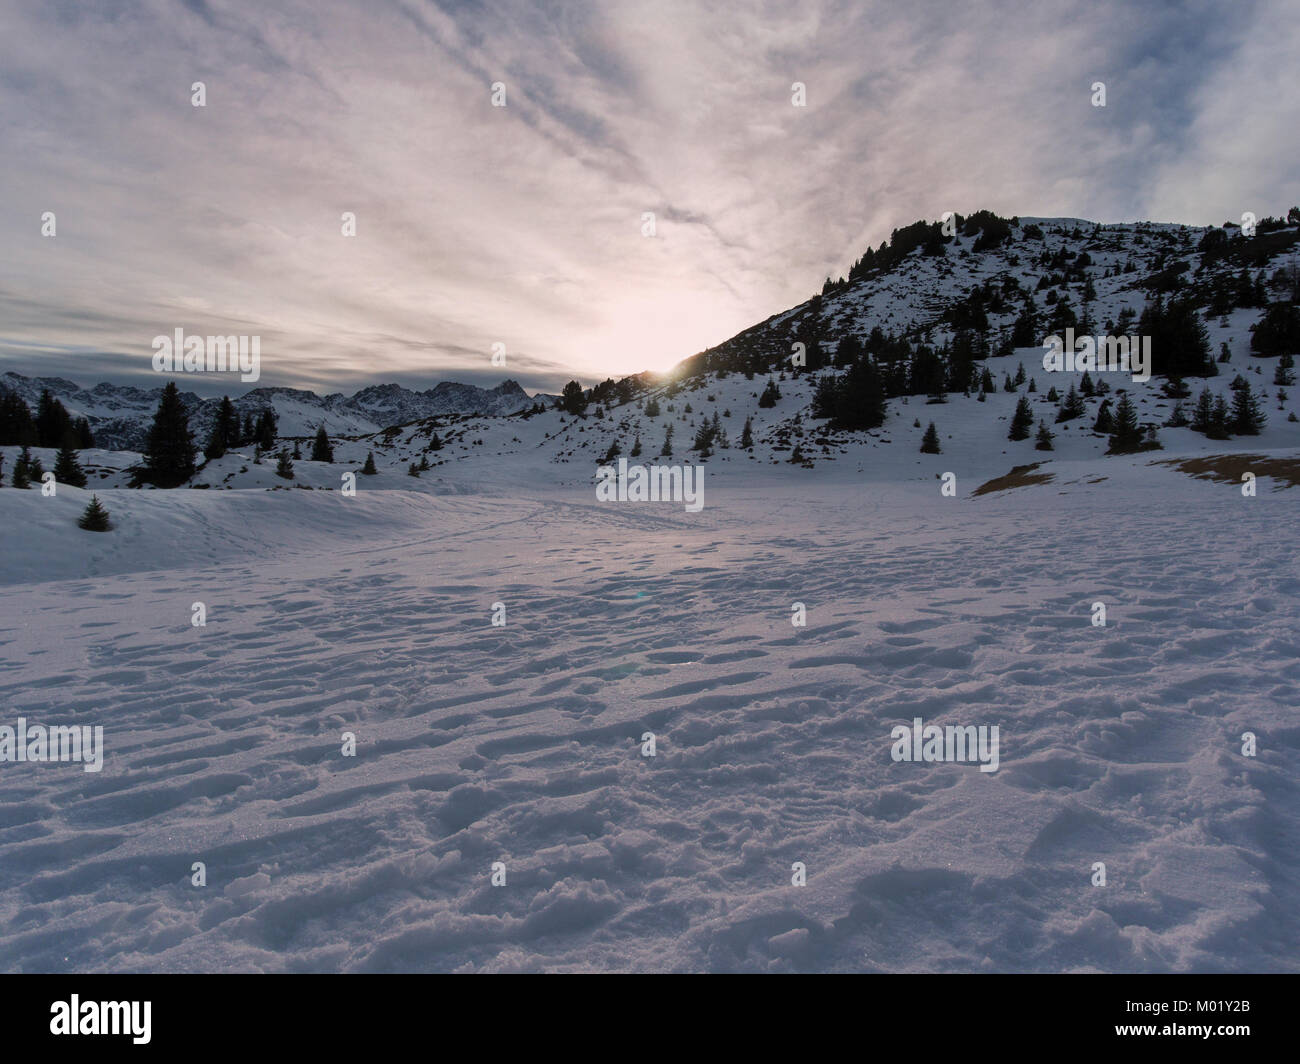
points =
(523, 225)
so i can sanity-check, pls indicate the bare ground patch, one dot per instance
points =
(1021, 476)
(1227, 468)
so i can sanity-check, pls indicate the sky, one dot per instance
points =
(524, 225)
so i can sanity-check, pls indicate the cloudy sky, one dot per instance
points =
(523, 225)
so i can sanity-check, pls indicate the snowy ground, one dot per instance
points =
(521, 744)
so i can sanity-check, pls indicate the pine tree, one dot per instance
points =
(1052, 395)
(94, 518)
(1177, 417)
(67, 470)
(1043, 441)
(613, 452)
(1126, 436)
(413, 470)
(52, 421)
(284, 464)
(216, 446)
(435, 444)
(667, 450)
(227, 423)
(1283, 374)
(636, 447)
(424, 462)
(572, 399)
(770, 395)
(169, 451)
(297, 452)
(930, 442)
(652, 408)
(1072, 406)
(369, 469)
(267, 424)
(1105, 422)
(1020, 375)
(1219, 420)
(1022, 420)
(321, 451)
(16, 425)
(1033, 386)
(35, 470)
(747, 434)
(21, 479)
(1247, 418)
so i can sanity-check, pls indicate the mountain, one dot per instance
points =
(927, 314)
(915, 312)
(120, 415)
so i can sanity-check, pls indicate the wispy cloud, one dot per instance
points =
(523, 225)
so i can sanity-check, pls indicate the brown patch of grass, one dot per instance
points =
(1021, 476)
(1227, 468)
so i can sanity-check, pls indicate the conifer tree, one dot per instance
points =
(1247, 417)
(1283, 374)
(94, 518)
(216, 446)
(369, 469)
(572, 399)
(667, 449)
(435, 444)
(21, 478)
(267, 424)
(284, 465)
(1105, 422)
(169, 451)
(930, 442)
(424, 462)
(1126, 436)
(770, 395)
(1219, 429)
(321, 451)
(1177, 417)
(747, 434)
(17, 428)
(636, 447)
(67, 470)
(1022, 420)
(1072, 406)
(1043, 440)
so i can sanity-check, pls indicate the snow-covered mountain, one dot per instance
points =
(120, 415)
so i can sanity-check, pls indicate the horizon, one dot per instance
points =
(522, 225)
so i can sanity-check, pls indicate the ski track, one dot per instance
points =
(522, 744)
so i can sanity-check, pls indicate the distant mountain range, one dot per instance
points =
(120, 415)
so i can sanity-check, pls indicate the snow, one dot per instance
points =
(475, 744)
